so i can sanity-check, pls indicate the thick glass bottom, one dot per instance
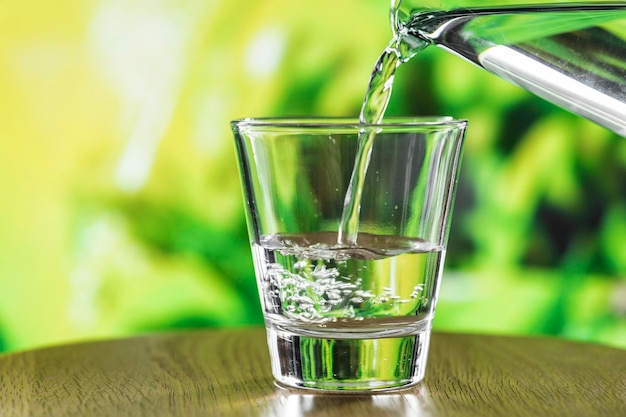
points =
(347, 364)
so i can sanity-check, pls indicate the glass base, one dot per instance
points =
(347, 365)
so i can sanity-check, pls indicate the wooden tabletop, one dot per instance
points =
(227, 373)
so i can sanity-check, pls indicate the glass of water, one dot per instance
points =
(348, 225)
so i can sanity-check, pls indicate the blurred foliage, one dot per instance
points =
(121, 206)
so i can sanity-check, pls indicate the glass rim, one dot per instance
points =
(347, 122)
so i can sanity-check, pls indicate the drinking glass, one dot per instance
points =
(348, 314)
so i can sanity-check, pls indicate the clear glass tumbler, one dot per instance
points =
(348, 314)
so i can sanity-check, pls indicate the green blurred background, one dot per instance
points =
(120, 204)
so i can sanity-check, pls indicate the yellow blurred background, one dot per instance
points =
(120, 205)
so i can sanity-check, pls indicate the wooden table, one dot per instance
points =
(227, 373)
